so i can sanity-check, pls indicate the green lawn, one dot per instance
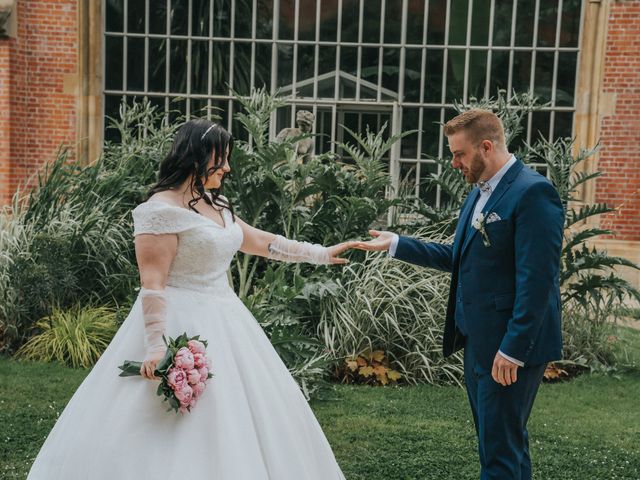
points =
(585, 429)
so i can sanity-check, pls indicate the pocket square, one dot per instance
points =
(493, 217)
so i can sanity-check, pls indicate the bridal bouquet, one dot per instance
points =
(183, 371)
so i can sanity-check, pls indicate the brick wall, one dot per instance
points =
(38, 71)
(620, 132)
(5, 118)
(38, 75)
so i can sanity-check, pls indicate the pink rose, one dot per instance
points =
(184, 395)
(198, 388)
(204, 374)
(208, 363)
(199, 360)
(196, 347)
(193, 402)
(184, 359)
(194, 376)
(177, 378)
(183, 409)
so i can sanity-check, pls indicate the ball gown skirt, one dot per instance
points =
(251, 423)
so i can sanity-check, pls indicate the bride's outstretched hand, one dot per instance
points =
(381, 241)
(336, 250)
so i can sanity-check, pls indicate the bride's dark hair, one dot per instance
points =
(192, 148)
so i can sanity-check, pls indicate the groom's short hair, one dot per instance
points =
(479, 125)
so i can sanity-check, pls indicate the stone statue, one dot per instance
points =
(304, 148)
(6, 7)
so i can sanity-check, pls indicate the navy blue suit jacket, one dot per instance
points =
(510, 289)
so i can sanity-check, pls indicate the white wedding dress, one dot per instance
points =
(251, 423)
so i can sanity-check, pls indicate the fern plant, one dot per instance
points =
(588, 275)
(323, 200)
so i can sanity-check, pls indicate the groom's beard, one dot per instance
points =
(475, 170)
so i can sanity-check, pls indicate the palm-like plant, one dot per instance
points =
(588, 275)
(323, 200)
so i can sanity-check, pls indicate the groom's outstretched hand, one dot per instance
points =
(380, 243)
(504, 372)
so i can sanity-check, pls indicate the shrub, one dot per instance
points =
(69, 240)
(370, 368)
(75, 337)
(323, 200)
(395, 307)
(593, 292)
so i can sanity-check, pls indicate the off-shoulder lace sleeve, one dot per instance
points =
(159, 218)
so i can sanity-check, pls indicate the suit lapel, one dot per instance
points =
(463, 221)
(503, 186)
(495, 197)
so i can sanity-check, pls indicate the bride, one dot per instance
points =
(252, 422)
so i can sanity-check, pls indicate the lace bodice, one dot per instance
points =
(205, 248)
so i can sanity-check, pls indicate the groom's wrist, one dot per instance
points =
(511, 359)
(394, 245)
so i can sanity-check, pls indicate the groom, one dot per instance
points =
(504, 301)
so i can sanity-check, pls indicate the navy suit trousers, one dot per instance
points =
(500, 415)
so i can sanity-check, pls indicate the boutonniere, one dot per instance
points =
(479, 224)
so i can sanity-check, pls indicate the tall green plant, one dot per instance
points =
(75, 337)
(588, 275)
(382, 304)
(323, 200)
(593, 291)
(15, 236)
(68, 240)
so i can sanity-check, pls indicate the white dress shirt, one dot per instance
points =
(493, 182)
(485, 194)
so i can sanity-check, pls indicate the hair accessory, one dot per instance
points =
(207, 131)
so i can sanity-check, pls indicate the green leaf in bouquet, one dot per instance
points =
(130, 368)
(182, 340)
(160, 390)
(164, 364)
